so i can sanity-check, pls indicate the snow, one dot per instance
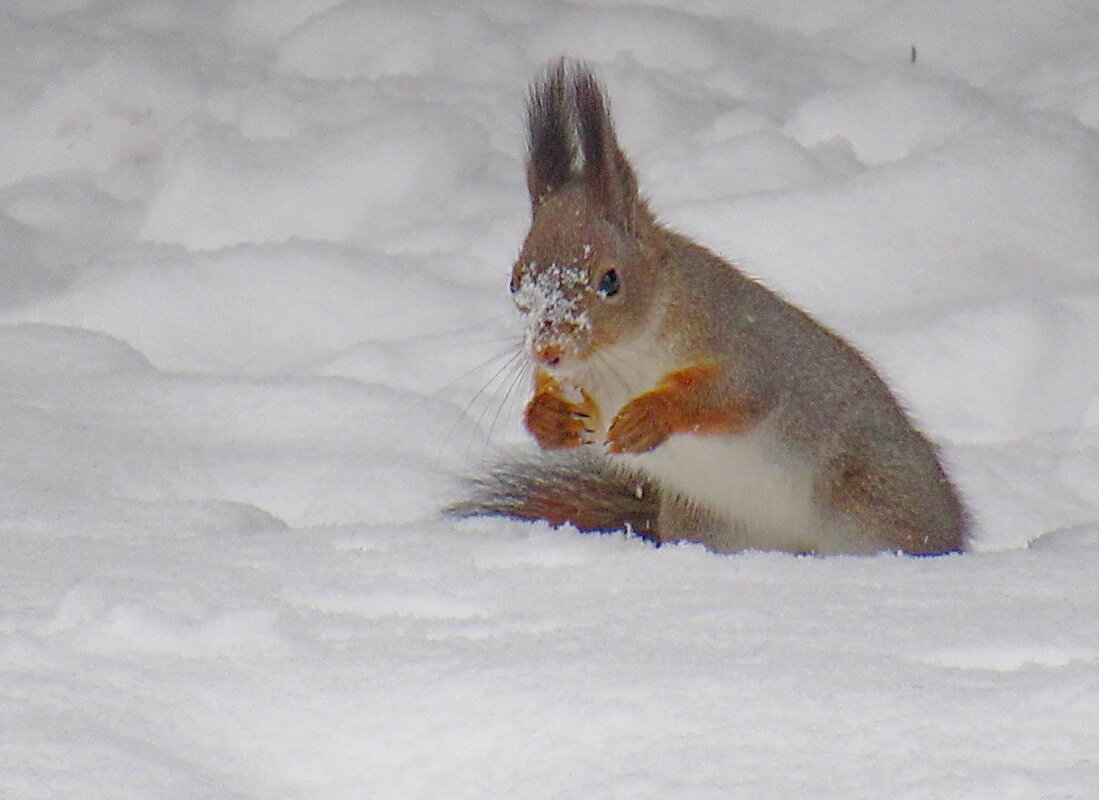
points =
(553, 294)
(254, 322)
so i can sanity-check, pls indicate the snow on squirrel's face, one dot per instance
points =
(552, 298)
(576, 282)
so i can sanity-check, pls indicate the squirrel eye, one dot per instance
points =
(609, 284)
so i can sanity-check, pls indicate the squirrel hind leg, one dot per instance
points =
(919, 514)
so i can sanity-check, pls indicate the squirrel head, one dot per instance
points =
(588, 271)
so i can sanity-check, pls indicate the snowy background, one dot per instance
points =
(254, 321)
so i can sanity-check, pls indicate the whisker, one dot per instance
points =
(493, 379)
(512, 352)
(609, 369)
(521, 373)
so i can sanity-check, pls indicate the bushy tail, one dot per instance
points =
(576, 487)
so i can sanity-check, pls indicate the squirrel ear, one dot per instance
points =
(551, 143)
(609, 178)
(567, 122)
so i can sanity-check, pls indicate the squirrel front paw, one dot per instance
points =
(557, 424)
(641, 425)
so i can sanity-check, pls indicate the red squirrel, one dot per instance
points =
(676, 397)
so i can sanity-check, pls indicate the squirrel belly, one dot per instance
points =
(725, 482)
(680, 399)
(756, 496)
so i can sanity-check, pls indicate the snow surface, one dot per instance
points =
(254, 320)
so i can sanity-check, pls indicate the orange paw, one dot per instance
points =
(641, 425)
(557, 424)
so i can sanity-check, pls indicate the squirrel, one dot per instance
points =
(679, 399)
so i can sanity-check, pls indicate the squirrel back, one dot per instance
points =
(692, 403)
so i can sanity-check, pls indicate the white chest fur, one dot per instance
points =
(760, 491)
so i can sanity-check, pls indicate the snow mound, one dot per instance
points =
(254, 321)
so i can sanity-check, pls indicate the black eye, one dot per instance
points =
(609, 284)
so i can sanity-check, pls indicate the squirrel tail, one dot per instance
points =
(579, 488)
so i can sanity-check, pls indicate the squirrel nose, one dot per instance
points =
(549, 354)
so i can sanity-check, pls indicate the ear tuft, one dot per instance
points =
(571, 139)
(607, 172)
(551, 143)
